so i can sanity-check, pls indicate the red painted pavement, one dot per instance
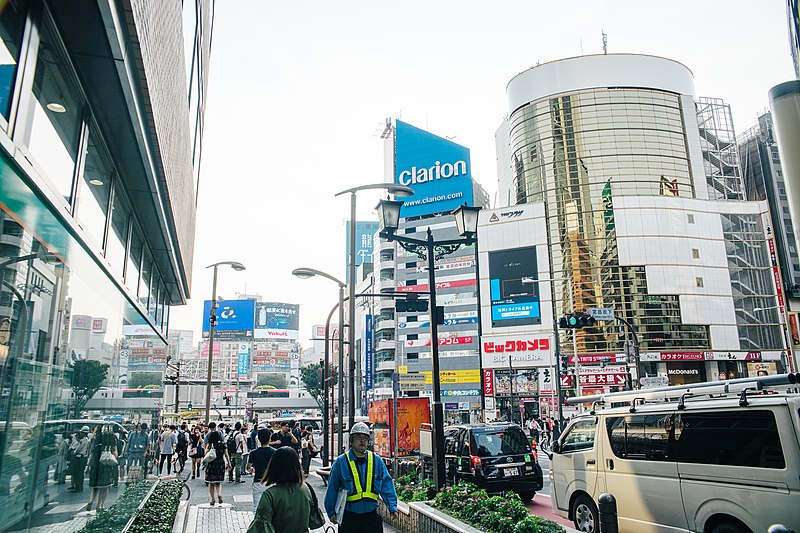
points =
(541, 506)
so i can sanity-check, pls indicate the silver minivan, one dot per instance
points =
(707, 463)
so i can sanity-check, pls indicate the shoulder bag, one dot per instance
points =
(315, 518)
(210, 456)
(107, 458)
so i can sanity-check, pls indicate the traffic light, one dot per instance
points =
(564, 361)
(576, 321)
(411, 305)
(227, 400)
(189, 406)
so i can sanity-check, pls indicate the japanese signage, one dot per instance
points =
(488, 382)
(368, 353)
(440, 285)
(455, 376)
(446, 341)
(513, 287)
(524, 351)
(365, 232)
(461, 392)
(244, 359)
(275, 320)
(546, 383)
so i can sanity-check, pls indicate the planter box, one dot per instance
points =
(418, 516)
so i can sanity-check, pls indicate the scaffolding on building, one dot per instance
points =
(720, 152)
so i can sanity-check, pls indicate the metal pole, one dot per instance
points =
(177, 387)
(351, 314)
(635, 351)
(395, 446)
(574, 341)
(326, 375)
(212, 318)
(511, 389)
(480, 328)
(438, 412)
(558, 370)
(341, 372)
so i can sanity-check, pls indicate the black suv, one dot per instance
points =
(496, 457)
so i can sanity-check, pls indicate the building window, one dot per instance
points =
(117, 241)
(94, 190)
(695, 253)
(55, 118)
(12, 21)
(690, 218)
(698, 281)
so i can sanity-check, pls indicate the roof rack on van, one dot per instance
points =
(739, 386)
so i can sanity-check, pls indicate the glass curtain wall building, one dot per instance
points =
(645, 211)
(98, 180)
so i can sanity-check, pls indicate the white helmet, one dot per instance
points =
(360, 428)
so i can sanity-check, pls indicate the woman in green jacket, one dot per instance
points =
(286, 504)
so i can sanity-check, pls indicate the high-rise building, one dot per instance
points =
(645, 214)
(101, 122)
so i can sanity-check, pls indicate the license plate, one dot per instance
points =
(511, 471)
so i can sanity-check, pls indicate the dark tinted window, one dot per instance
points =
(738, 438)
(580, 436)
(645, 437)
(505, 441)
(451, 441)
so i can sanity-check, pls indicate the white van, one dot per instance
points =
(713, 458)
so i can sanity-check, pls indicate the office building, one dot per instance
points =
(644, 210)
(101, 125)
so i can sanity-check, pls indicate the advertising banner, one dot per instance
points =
(234, 319)
(524, 385)
(276, 320)
(451, 283)
(761, 369)
(528, 351)
(204, 349)
(437, 169)
(461, 392)
(244, 359)
(455, 376)
(546, 382)
(365, 232)
(513, 287)
(368, 353)
(446, 341)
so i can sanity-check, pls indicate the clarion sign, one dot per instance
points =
(436, 172)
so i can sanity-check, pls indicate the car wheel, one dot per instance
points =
(526, 495)
(729, 527)
(584, 513)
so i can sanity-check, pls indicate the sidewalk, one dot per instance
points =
(235, 515)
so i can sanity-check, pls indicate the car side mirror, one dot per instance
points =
(556, 447)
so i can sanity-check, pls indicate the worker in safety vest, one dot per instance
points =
(364, 476)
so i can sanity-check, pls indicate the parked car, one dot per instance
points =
(496, 457)
(708, 458)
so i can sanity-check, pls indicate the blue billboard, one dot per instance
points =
(235, 319)
(365, 233)
(513, 287)
(438, 170)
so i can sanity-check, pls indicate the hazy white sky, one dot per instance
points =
(299, 92)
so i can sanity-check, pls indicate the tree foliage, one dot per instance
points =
(87, 378)
(311, 376)
(278, 381)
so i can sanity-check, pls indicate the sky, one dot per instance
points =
(299, 93)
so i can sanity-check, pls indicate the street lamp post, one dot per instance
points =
(305, 273)
(212, 322)
(397, 190)
(430, 250)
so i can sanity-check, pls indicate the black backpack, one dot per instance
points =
(231, 443)
(181, 439)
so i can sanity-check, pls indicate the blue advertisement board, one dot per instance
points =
(514, 288)
(244, 359)
(365, 233)
(235, 319)
(368, 353)
(438, 170)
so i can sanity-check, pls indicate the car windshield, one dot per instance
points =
(501, 442)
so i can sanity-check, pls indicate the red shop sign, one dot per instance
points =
(488, 382)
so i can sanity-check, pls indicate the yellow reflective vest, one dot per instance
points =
(367, 492)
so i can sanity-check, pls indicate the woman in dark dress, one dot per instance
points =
(101, 476)
(196, 451)
(215, 470)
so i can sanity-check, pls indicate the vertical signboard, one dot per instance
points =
(513, 287)
(437, 169)
(244, 358)
(365, 233)
(368, 353)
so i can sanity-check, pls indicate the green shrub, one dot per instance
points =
(410, 488)
(495, 514)
(158, 513)
(113, 519)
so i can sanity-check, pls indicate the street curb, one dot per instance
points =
(182, 517)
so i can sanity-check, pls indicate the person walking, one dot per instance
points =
(347, 472)
(182, 447)
(137, 447)
(215, 470)
(196, 451)
(236, 444)
(258, 463)
(246, 449)
(102, 474)
(167, 442)
(306, 448)
(286, 505)
(80, 455)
